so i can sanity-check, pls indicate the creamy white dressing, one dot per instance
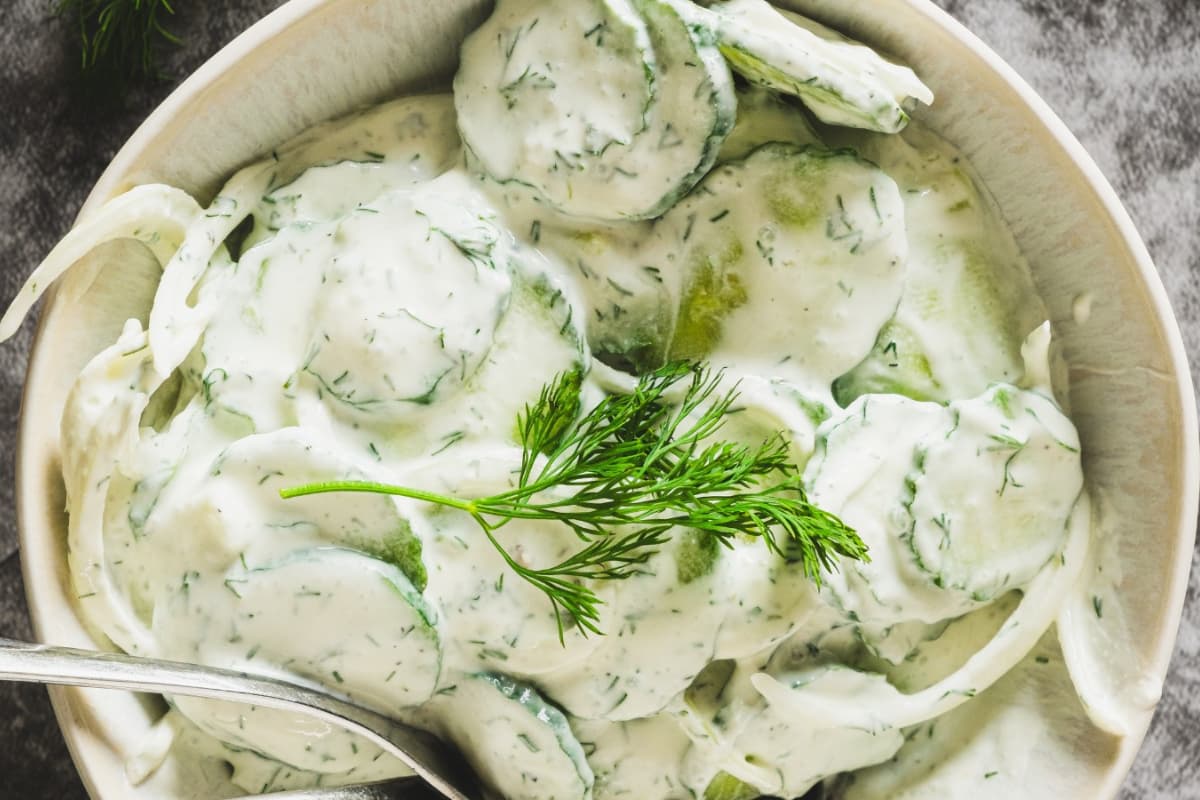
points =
(390, 313)
(968, 299)
(841, 82)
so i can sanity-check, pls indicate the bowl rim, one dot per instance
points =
(1158, 661)
(107, 185)
(191, 90)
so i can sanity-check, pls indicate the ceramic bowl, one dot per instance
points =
(1130, 389)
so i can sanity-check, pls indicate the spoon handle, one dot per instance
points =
(39, 663)
(397, 789)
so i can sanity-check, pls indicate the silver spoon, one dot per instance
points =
(429, 758)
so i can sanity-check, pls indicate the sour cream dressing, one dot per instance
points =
(386, 313)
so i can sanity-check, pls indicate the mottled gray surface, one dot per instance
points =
(1124, 74)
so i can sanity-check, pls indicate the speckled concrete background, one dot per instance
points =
(1124, 74)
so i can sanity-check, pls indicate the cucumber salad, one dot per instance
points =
(661, 413)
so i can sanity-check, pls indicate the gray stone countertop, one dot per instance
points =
(1123, 74)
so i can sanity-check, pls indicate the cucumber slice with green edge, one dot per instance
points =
(895, 365)
(239, 497)
(389, 657)
(765, 116)
(991, 496)
(530, 106)
(367, 633)
(695, 109)
(841, 81)
(378, 361)
(627, 147)
(792, 261)
(968, 298)
(655, 646)
(520, 745)
(863, 457)
(628, 290)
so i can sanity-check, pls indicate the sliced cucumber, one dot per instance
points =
(378, 360)
(494, 620)
(411, 136)
(968, 296)
(519, 744)
(543, 315)
(529, 105)
(336, 167)
(842, 82)
(234, 506)
(766, 598)
(726, 787)
(365, 312)
(636, 759)
(694, 110)
(630, 289)
(368, 634)
(627, 147)
(256, 774)
(775, 745)
(764, 116)
(696, 556)
(388, 657)
(792, 261)
(897, 364)
(992, 494)
(714, 290)
(864, 455)
(287, 739)
(655, 643)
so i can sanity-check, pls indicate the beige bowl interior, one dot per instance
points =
(315, 59)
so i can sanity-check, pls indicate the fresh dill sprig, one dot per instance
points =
(119, 38)
(631, 469)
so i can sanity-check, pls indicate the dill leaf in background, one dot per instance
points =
(119, 40)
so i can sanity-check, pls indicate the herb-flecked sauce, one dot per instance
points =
(366, 304)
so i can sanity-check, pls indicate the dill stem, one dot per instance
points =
(499, 505)
(372, 487)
